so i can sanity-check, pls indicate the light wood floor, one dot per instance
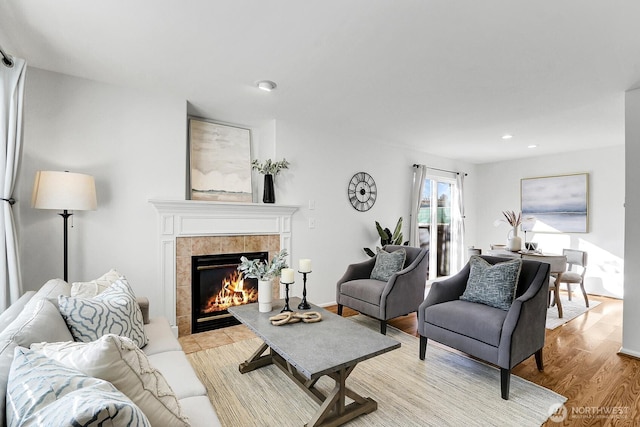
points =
(582, 363)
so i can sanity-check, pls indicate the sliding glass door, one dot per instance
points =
(434, 224)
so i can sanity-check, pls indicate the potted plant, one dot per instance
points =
(388, 238)
(269, 169)
(264, 272)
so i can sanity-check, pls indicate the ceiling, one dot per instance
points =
(445, 77)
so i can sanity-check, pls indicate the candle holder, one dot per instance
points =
(286, 297)
(304, 305)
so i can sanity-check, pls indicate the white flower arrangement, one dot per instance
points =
(261, 270)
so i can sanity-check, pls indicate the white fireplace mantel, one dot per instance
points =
(189, 218)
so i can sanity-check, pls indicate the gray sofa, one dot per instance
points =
(21, 324)
(502, 337)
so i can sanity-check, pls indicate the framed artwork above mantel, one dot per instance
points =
(555, 204)
(219, 162)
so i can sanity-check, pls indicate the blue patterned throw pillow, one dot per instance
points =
(42, 392)
(114, 311)
(492, 284)
(387, 264)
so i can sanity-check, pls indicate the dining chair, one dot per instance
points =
(558, 266)
(578, 259)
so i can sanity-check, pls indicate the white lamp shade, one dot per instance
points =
(64, 190)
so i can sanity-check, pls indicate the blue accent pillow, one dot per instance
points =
(387, 264)
(114, 311)
(492, 284)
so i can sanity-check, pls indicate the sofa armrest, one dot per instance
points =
(143, 302)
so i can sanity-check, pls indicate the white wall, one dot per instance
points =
(500, 190)
(631, 314)
(134, 145)
(324, 158)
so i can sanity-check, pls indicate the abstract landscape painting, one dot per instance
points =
(220, 162)
(555, 203)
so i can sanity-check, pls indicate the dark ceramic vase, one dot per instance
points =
(269, 195)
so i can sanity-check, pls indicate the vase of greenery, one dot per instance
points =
(269, 169)
(265, 272)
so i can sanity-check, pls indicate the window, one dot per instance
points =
(434, 223)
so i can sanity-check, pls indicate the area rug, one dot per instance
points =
(446, 389)
(570, 310)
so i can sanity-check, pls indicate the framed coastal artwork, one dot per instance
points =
(219, 162)
(555, 204)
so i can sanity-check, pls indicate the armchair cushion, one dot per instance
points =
(454, 316)
(492, 284)
(387, 264)
(368, 290)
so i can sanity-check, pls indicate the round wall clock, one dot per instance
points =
(362, 191)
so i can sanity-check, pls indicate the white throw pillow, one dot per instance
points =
(42, 392)
(115, 311)
(39, 321)
(119, 361)
(51, 289)
(95, 287)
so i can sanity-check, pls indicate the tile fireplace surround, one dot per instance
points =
(190, 227)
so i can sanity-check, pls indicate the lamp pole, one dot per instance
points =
(65, 216)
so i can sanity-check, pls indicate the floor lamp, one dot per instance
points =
(64, 191)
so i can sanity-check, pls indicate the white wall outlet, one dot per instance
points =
(312, 223)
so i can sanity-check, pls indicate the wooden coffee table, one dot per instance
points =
(307, 351)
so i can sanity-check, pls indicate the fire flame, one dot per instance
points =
(232, 293)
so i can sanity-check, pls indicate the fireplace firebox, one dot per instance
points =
(216, 285)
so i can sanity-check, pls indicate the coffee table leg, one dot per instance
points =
(257, 360)
(333, 411)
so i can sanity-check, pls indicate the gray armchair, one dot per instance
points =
(503, 338)
(401, 295)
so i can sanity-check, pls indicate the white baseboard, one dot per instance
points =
(628, 352)
(327, 304)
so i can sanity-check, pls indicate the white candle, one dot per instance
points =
(286, 275)
(304, 266)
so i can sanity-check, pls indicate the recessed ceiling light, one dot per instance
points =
(266, 85)
(532, 146)
(507, 136)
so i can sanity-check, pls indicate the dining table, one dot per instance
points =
(557, 262)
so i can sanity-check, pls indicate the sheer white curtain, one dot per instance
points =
(458, 255)
(419, 175)
(11, 108)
